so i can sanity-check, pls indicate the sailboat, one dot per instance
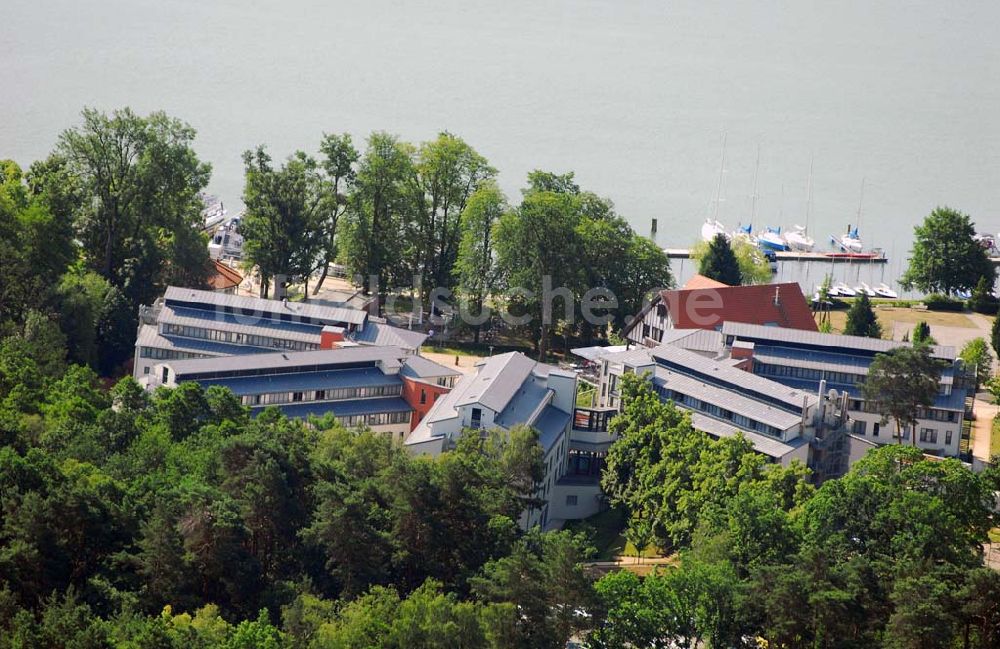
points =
(798, 237)
(745, 232)
(850, 241)
(711, 228)
(771, 239)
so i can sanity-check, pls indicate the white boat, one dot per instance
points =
(850, 241)
(798, 240)
(864, 288)
(843, 290)
(711, 229)
(883, 290)
(771, 239)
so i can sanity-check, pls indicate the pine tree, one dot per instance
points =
(922, 334)
(861, 320)
(720, 264)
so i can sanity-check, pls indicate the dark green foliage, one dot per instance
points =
(922, 334)
(719, 262)
(900, 382)
(938, 302)
(983, 300)
(861, 319)
(945, 256)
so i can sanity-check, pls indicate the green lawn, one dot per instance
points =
(995, 437)
(606, 533)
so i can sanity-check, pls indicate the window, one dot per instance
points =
(166, 374)
(145, 369)
(423, 396)
(859, 427)
(571, 501)
(477, 417)
(320, 395)
(296, 396)
(256, 399)
(875, 428)
(947, 438)
(928, 435)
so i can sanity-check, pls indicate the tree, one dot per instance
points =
(448, 172)
(475, 267)
(543, 577)
(976, 357)
(719, 262)
(538, 250)
(982, 299)
(995, 336)
(378, 234)
(339, 159)
(922, 334)
(861, 319)
(287, 210)
(945, 257)
(139, 178)
(900, 383)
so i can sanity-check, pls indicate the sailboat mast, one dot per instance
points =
(809, 192)
(722, 168)
(861, 202)
(756, 172)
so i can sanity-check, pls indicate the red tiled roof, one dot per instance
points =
(223, 277)
(700, 281)
(781, 305)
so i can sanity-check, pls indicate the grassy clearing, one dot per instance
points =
(606, 533)
(995, 437)
(994, 535)
(888, 316)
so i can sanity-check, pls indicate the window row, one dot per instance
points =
(375, 419)
(844, 378)
(167, 354)
(333, 394)
(740, 421)
(238, 338)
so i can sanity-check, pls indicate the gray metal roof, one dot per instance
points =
(390, 357)
(150, 337)
(698, 340)
(594, 354)
(551, 425)
(729, 375)
(761, 443)
(418, 367)
(263, 326)
(529, 398)
(386, 335)
(326, 314)
(344, 408)
(498, 379)
(729, 400)
(860, 343)
(304, 381)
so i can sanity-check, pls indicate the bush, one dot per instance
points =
(938, 302)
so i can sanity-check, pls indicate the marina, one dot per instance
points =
(874, 257)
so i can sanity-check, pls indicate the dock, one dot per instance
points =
(791, 255)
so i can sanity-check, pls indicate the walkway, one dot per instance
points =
(982, 429)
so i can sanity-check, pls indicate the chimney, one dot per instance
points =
(777, 296)
(742, 351)
(330, 337)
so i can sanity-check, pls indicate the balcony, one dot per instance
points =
(592, 420)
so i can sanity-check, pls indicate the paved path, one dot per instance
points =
(982, 429)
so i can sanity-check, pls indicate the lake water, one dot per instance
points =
(633, 96)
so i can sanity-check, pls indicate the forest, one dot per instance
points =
(175, 519)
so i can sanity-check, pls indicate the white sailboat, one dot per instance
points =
(850, 241)
(712, 228)
(798, 238)
(883, 290)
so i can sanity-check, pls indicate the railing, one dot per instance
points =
(594, 420)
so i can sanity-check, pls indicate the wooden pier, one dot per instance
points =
(791, 255)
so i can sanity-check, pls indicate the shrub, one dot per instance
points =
(938, 302)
